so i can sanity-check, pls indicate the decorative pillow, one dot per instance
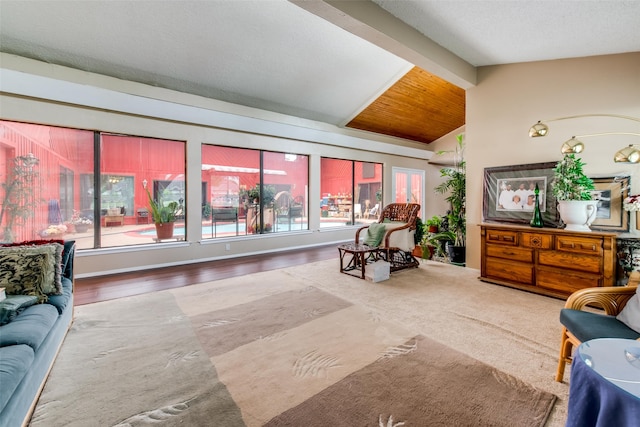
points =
(630, 314)
(59, 245)
(375, 234)
(28, 270)
(13, 305)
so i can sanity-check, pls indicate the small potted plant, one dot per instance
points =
(80, 224)
(573, 191)
(54, 232)
(433, 224)
(418, 237)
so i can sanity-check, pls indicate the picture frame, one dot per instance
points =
(503, 182)
(610, 193)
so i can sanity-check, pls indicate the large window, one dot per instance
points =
(350, 191)
(253, 192)
(129, 167)
(49, 185)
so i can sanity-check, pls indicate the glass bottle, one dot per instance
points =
(536, 221)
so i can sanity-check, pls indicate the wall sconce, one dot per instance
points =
(144, 183)
(573, 146)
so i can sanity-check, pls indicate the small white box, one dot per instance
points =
(377, 271)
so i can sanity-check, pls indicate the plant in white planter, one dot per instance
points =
(573, 189)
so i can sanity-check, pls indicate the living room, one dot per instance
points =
(496, 135)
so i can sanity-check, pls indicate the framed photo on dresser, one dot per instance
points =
(509, 193)
(610, 193)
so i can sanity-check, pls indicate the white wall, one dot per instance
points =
(510, 98)
(444, 149)
(36, 92)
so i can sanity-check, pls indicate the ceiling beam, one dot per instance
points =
(370, 22)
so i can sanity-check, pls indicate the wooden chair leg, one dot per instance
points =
(565, 355)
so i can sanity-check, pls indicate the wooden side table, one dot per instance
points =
(114, 219)
(359, 256)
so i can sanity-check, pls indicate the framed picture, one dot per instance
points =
(509, 193)
(610, 193)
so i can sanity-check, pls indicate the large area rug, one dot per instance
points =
(308, 346)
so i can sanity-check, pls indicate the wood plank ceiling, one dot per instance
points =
(419, 107)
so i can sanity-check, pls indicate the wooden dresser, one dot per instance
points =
(547, 261)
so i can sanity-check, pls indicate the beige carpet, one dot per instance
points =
(303, 346)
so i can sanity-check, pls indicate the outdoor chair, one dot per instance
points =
(288, 209)
(393, 235)
(374, 211)
(357, 210)
(580, 324)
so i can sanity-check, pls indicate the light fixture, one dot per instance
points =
(541, 129)
(628, 154)
(144, 183)
(574, 145)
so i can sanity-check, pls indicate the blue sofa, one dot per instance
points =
(29, 345)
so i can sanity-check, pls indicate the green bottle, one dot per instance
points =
(536, 221)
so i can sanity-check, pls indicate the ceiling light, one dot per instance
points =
(628, 154)
(539, 129)
(572, 146)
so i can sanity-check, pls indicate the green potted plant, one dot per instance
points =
(433, 223)
(573, 191)
(418, 237)
(268, 194)
(163, 215)
(454, 185)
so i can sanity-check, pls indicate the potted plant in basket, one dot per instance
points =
(164, 215)
(454, 185)
(80, 223)
(573, 191)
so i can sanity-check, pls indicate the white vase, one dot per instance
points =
(578, 214)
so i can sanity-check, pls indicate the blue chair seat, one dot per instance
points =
(586, 325)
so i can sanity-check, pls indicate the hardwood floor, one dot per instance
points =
(94, 289)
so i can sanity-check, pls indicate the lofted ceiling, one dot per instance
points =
(397, 68)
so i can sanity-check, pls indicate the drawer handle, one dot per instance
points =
(586, 246)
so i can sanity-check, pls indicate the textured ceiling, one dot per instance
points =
(490, 32)
(310, 58)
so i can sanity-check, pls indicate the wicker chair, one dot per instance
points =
(612, 300)
(397, 243)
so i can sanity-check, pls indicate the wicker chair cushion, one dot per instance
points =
(630, 314)
(402, 240)
(586, 325)
(375, 233)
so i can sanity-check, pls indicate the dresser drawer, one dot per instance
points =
(570, 261)
(565, 281)
(584, 245)
(538, 241)
(510, 253)
(510, 271)
(502, 237)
